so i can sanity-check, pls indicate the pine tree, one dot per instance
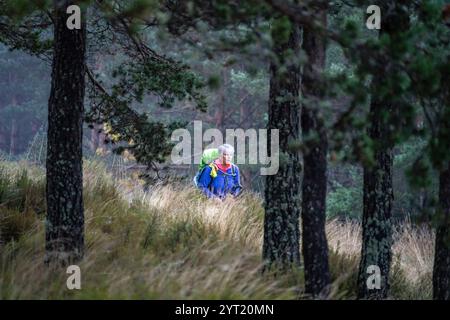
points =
(282, 202)
(378, 185)
(441, 268)
(65, 216)
(314, 187)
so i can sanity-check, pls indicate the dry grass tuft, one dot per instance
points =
(171, 243)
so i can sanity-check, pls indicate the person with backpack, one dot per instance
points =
(218, 176)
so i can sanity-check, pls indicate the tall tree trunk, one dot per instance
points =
(97, 137)
(245, 171)
(65, 217)
(377, 206)
(94, 138)
(282, 194)
(13, 137)
(13, 131)
(378, 186)
(3, 144)
(441, 268)
(219, 115)
(315, 246)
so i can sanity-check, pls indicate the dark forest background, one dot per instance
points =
(86, 116)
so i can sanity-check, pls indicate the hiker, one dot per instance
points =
(220, 177)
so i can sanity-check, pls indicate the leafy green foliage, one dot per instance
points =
(345, 202)
(149, 141)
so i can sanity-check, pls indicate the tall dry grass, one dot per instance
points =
(171, 243)
(412, 250)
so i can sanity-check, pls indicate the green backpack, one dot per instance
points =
(208, 157)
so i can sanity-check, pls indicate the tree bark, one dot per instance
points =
(97, 137)
(377, 206)
(378, 185)
(3, 144)
(13, 137)
(219, 115)
(245, 171)
(441, 268)
(13, 131)
(64, 190)
(282, 196)
(314, 186)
